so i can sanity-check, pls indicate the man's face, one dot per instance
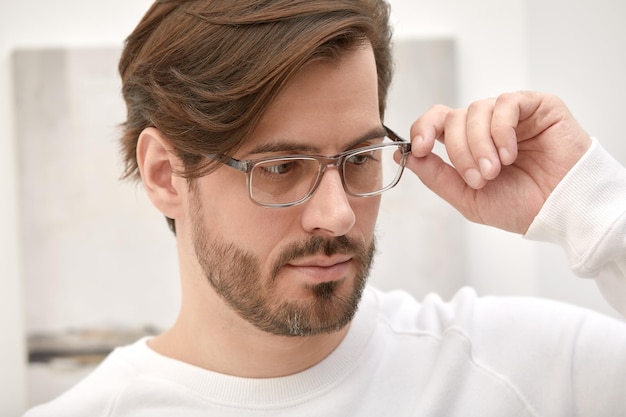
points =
(298, 270)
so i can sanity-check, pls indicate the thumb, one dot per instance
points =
(439, 177)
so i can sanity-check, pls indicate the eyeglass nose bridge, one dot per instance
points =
(323, 164)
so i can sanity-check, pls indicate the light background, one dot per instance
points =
(576, 49)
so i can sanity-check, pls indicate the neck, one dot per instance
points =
(221, 341)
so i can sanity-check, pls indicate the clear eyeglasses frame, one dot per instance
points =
(289, 180)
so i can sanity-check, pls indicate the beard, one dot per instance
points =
(236, 276)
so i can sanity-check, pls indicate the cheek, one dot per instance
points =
(227, 209)
(256, 229)
(366, 211)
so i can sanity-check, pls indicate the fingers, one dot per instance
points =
(510, 109)
(462, 145)
(479, 140)
(440, 177)
(482, 146)
(427, 129)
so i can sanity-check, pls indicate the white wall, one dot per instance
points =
(574, 48)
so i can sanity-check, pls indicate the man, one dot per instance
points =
(257, 130)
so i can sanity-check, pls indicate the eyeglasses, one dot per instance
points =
(289, 180)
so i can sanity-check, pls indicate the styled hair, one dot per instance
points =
(203, 72)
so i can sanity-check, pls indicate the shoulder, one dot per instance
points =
(522, 350)
(96, 394)
(492, 322)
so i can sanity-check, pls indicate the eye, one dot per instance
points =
(278, 168)
(360, 158)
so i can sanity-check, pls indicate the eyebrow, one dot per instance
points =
(292, 146)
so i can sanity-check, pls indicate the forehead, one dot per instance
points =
(324, 107)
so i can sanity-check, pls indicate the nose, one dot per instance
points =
(328, 211)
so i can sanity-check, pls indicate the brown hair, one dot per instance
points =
(204, 71)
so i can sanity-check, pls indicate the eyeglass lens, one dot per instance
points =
(288, 180)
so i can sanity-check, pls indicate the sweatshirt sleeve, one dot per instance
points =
(586, 216)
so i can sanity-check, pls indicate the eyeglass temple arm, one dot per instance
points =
(242, 166)
(397, 138)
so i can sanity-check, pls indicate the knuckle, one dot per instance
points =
(456, 115)
(474, 127)
(480, 105)
(439, 108)
(507, 98)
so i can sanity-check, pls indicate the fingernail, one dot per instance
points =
(473, 178)
(485, 166)
(418, 141)
(504, 155)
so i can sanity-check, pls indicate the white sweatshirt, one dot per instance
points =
(471, 356)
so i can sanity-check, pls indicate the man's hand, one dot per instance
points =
(508, 154)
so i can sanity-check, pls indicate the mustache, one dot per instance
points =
(318, 245)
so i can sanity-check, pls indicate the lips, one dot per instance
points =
(321, 262)
(321, 269)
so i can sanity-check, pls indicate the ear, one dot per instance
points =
(156, 159)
